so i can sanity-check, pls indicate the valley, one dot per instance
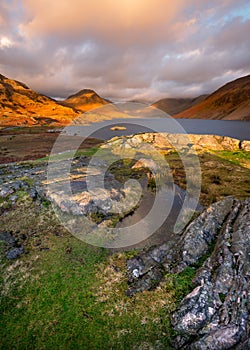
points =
(21, 106)
(65, 257)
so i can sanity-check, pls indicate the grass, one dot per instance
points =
(65, 294)
(74, 299)
(46, 203)
(54, 300)
(223, 177)
(223, 173)
(222, 297)
(123, 170)
(4, 203)
(27, 130)
(87, 152)
(235, 157)
(183, 283)
(29, 181)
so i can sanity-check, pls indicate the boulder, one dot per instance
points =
(245, 146)
(14, 253)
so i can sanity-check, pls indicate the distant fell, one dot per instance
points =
(19, 105)
(176, 105)
(229, 102)
(85, 100)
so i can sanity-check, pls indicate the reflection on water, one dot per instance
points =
(165, 232)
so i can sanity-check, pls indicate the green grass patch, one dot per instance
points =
(65, 294)
(183, 283)
(97, 217)
(22, 195)
(123, 171)
(235, 157)
(28, 180)
(5, 203)
(46, 203)
(73, 297)
(88, 152)
(54, 309)
(222, 297)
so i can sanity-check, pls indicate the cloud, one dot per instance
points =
(227, 50)
(124, 49)
(118, 22)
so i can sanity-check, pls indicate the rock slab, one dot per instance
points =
(216, 314)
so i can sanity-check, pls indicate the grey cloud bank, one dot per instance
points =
(125, 50)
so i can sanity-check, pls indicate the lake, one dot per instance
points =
(235, 129)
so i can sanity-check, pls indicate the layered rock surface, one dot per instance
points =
(81, 200)
(215, 315)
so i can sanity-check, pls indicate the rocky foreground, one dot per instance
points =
(216, 246)
(216, 314)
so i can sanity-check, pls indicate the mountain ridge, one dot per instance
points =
(230, 102)
(20, 105)
(173, 106)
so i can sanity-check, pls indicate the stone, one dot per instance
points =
(149, 281)
(13, 199)
(33, 193)
(114, 198)
(215, 314)
(146, 270)
(7, 237)
(10, 188)
(245, 146)
(193, 243)
(15, 253)
(196, 310)
(202, 232)
(230, 144)
(6, 191)
(146, 163)
(180, 141)
(228, 271)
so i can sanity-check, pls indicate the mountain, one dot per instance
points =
(85, 100)
(176, 105)
(231, 101)
(19, 105)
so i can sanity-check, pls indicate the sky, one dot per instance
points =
(125, 49)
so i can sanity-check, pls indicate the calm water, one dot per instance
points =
(236, 129)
